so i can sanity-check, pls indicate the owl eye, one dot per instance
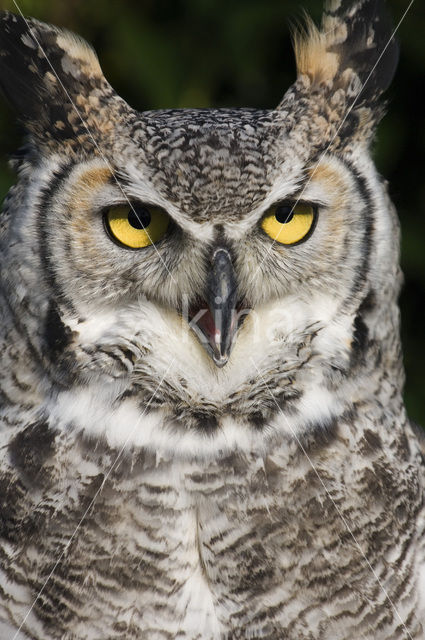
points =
(136, 225)
(289, 223)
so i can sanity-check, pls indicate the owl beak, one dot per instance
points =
(216, 326)
(222, 301)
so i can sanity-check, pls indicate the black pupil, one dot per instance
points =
(284, 213)
(139, 216)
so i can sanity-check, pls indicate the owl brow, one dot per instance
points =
(102, 155)
(349, 110)
(341, 516)
(127, 188)
(93, 500)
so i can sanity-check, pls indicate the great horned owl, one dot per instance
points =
(202, 426)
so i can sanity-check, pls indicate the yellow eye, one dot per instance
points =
(137, 225)
(288, 223)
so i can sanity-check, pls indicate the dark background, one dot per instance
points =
(202, 53)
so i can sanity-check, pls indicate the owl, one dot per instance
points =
(203, 435)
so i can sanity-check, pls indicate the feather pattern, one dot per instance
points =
(144, 491)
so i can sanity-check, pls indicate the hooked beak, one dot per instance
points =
(216, 325)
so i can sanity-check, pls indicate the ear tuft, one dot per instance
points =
(355, 40)
(343, 69)
(53, 80)
(312, 55)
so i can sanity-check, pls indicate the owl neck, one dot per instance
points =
(368, 389)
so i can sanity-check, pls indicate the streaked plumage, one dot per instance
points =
(259, 479)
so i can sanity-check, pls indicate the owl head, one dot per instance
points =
(222, 271)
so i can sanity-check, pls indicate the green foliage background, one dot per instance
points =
(201, 53)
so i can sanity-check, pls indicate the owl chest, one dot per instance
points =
(231, 555)
(205, 553)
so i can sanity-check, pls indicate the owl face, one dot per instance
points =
(293, 231)
(231, 259)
